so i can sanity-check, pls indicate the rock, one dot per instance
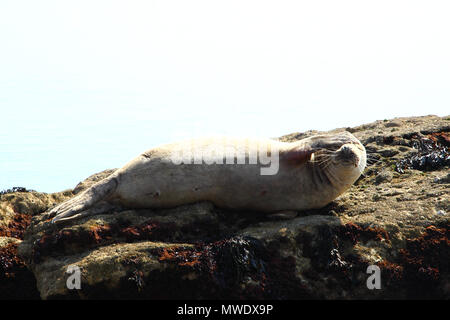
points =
(390, 152)
(393, 220)
(17, 207)
(444, 179)
(393, 123)
(384, 176)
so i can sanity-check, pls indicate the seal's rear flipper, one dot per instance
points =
(83, 201)
(101, 207)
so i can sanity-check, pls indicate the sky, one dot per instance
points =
(88, 85)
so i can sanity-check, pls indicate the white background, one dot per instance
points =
(88, 85)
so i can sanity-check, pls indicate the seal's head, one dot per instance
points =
(340, 156)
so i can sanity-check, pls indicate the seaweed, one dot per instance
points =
(432, 153)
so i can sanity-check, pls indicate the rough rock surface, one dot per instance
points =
(395, 217)
(16, 211)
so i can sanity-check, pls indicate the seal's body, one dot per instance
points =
(301, 175)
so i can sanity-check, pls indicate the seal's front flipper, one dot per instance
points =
(85, 200)
(297, 156)
(283, 215)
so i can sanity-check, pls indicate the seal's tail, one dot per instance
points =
(79, 205)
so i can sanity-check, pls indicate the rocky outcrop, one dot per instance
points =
(17, 207)
(396, 217)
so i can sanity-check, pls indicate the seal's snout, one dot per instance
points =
(346, 151)
(348, 154)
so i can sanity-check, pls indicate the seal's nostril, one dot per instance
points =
(346, 150)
